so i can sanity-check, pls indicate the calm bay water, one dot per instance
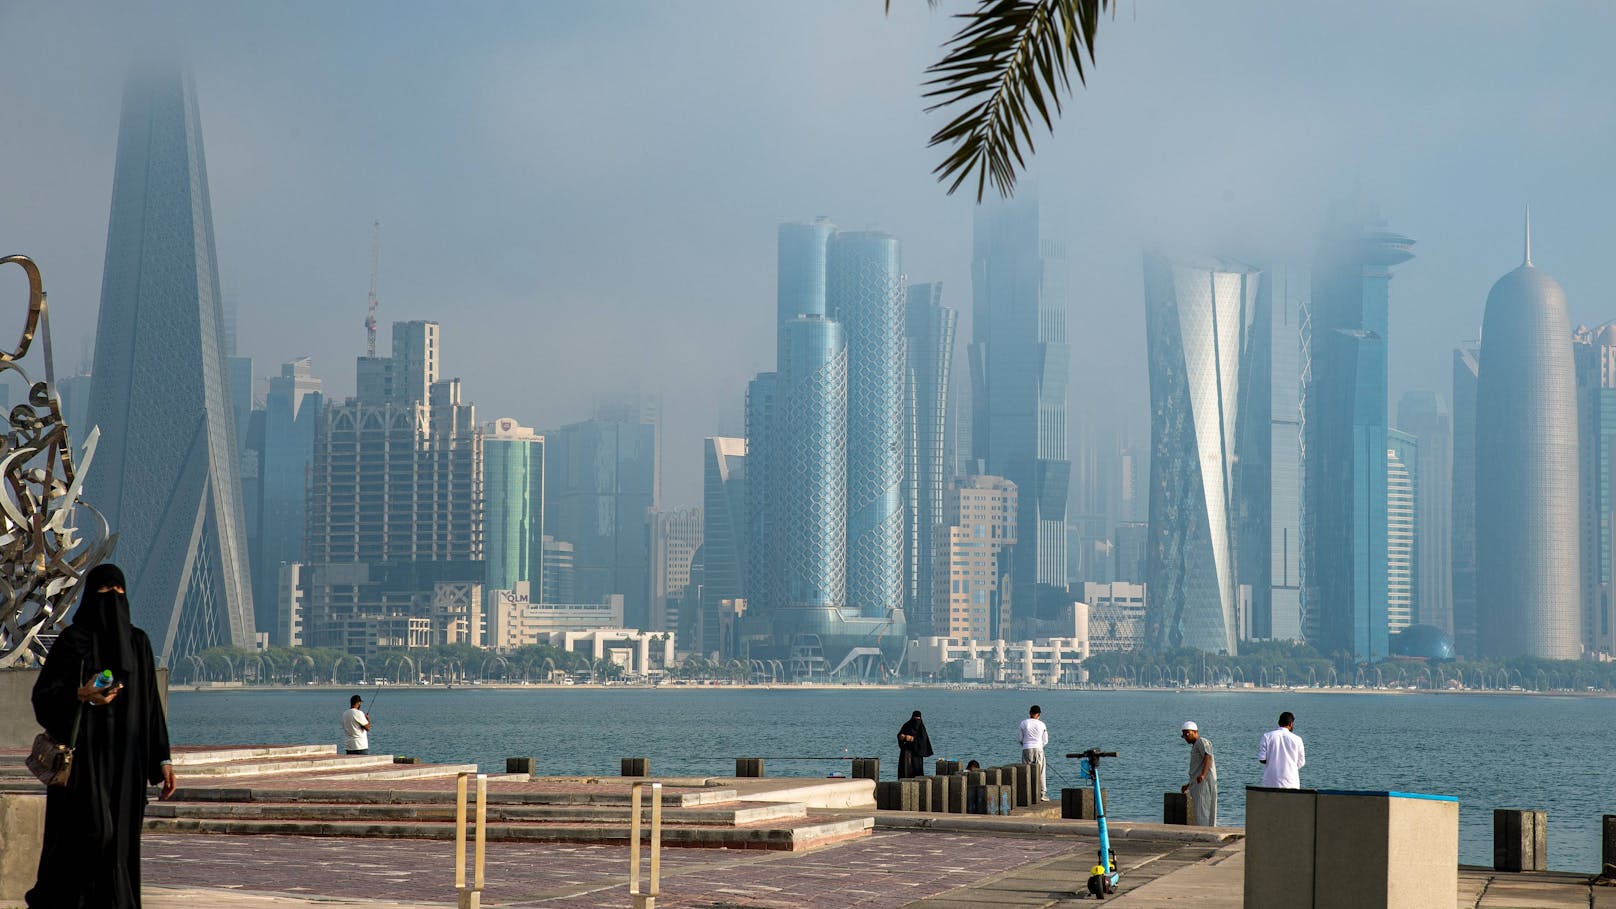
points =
(1492, 751)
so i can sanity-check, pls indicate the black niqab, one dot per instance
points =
(105, 617)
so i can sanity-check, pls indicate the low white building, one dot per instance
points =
(513, 620)
(638, 652)
(1043, 661)
(1116, 620)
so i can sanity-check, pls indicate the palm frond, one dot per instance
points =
(1010, 59)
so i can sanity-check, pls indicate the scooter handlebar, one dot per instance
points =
(1083, 754)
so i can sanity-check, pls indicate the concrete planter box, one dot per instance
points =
(22, 835)
(1350, 850)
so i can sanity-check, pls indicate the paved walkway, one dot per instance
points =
(900, 869)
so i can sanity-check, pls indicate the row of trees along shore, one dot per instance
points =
(1262, 665)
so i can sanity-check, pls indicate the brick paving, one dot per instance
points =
(885, 871)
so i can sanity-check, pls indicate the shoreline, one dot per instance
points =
(819, 686)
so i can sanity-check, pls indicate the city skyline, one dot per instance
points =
(298, 178)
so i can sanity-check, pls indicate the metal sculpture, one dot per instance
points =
(42, 557)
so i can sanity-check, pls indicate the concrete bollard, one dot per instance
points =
(636, 767)
(948, 768)
(22, 835)
(1176, 808)
(989, 799)
(867, 769)
(525, 765)
(939, 790)
(749, 767)
(1026, 786)
(956, 793)
(1078, 804)
(403, 759)
(1607, 849)
(994, 776)
(1520, 840)
(902, 795)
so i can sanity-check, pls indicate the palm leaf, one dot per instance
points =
(1010, 61)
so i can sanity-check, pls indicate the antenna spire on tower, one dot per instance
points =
(370, 315)
(1528, 262)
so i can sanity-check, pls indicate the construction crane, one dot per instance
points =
(370, 316)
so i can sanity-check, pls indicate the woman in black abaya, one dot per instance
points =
(91, 857)
(914, 746)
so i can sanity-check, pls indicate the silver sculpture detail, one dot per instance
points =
(42, 557)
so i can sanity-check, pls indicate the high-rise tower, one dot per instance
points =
(930, 342)
(1199, 321)
(1527, 585)
(166, 474)
(1018, 358)
(1466, 370)
(864, 291)
(1344, 403)
(1425, 414)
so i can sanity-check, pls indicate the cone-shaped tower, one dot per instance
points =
(1526, 471)
(166, 473)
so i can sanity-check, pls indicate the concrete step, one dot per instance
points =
(289, 765)
(735, 814)
(203, 756)
(675, 798)
(403, 772)
(797, 835)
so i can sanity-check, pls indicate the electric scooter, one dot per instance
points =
(1104, 876)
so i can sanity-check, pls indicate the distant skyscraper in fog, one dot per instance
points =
(1466, 371)
(864, 291)
(1595, 355)
(1018, 358)
(930, 342)
(166, 475)
(1345, 400)
(285, 447)
(1403, 487)
(600, 487)
(724, 538)
(1425, 415)
(1527, 548)
(1199, 321)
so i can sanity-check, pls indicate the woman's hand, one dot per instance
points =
(168, 782)
(99, 697)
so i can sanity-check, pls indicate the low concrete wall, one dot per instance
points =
(1385, 849)
(22, 834)
(1279, 847)
(17, 726)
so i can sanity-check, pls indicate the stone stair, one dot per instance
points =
(314, 791)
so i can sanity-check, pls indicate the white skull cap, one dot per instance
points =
(1189, 726)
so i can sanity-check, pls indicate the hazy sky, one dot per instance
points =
(585, 195)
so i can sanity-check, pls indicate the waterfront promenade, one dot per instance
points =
(893, 869)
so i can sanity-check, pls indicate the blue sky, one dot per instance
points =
(585, 195)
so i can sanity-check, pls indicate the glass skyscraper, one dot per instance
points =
(1403, 489)
(1425, 415)
(1018, 360)
(291, 414)
(513, 507)
(724, 540)
(166, 475)
(600, 487)
(1201, 322)
(1271, 487)
(1595, 352)
(864, 291)
(1466, 371)
(930, 340)
(1345, 402)
(1527, 550)
(812, 461)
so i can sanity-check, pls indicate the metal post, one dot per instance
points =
(634, 843)
(482, 830)
(460, 836)
(645, 899)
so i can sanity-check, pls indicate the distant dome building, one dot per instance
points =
(1527, 543)
(1422, 642)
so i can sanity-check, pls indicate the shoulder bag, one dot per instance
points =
(50, 760)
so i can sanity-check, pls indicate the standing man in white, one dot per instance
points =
(355, 728)
(1034, 736)
(1282, 755)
